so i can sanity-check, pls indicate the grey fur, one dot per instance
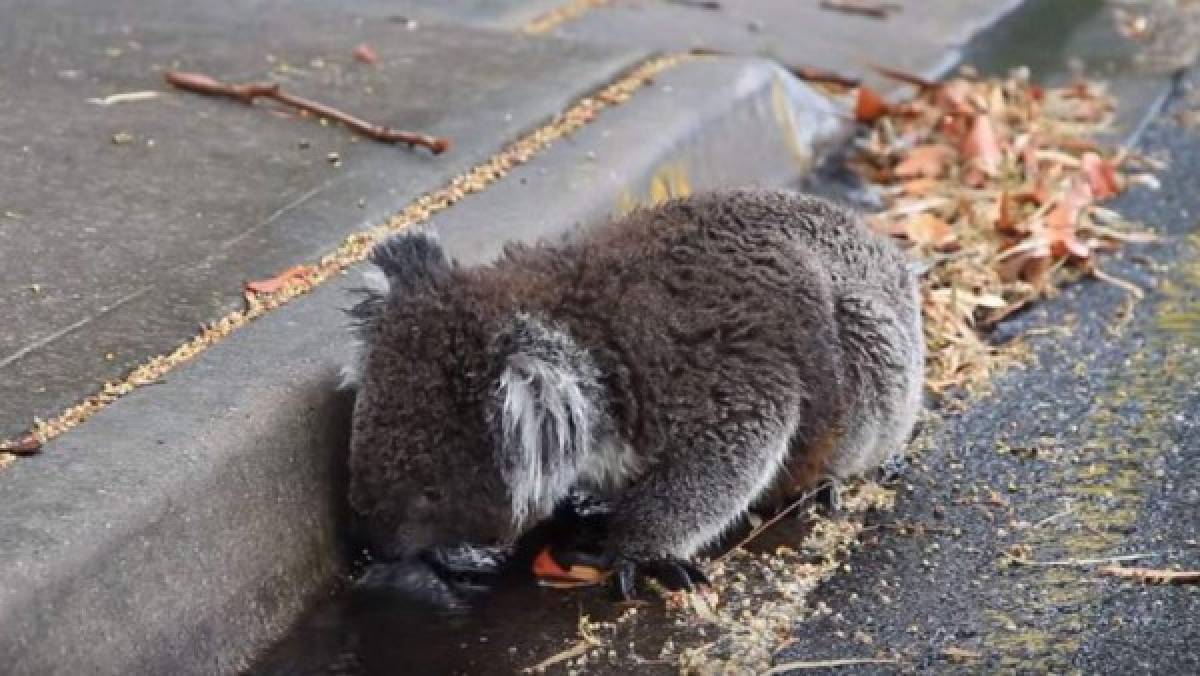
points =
(683, 361)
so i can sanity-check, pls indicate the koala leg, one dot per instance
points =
(704, 484)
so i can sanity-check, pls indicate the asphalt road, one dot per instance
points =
(1090, 451)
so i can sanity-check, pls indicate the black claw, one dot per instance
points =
(625, 577)
(674, 574)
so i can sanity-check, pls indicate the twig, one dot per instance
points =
(246, 93)
(875, 10)
(758, 530)
(901, 76)
(126, 97)
(1128, 286)
(698, 4)
(826, 664)
(1081, 562)
(1153, 575)
(820, 76)
(577, 650)
(1053, 517)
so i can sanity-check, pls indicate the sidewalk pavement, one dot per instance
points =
(139, 539)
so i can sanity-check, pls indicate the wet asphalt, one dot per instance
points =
(1090, 450)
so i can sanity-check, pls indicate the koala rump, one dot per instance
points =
(681, 362)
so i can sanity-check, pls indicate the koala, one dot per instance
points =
(682, 362)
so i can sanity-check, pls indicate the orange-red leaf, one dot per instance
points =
(280, 281)
(982, 145)
(550, 573)
(924, 161)
(920, 187)
(365, 54)
(1006, 221)
(1102, 176)
(930, 231)
(870, 105)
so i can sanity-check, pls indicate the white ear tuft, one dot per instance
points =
(544, 415)
(364, 316)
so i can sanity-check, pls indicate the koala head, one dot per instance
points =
(472, 419)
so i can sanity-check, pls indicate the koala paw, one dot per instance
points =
(674, 574)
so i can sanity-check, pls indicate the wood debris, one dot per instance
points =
(27, 444)
(126, 97)
(868, 8)
(827, 664)
(247, 93)
(1152, 575)
(960, 655)
(995, 185)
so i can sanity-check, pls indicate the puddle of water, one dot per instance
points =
(365, 632)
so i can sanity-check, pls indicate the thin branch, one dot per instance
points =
(246, 93)
(868, 8)
(826, 664)
(1081, 562)
(762, 527)
(1153, 575)
(820, 76)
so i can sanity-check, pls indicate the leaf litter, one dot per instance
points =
(996, 185)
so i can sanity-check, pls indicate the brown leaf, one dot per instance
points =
(1102, 176)
(366, 54)
(27, 444)
(1006, 221)
(954, 96)
(924, 161)
(930, 231)
(920, 187)
(280, 281)
(870, 105)
(1152, 575)
(1063, 219)
(982, 146)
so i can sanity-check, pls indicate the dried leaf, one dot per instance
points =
(920, 187)
(928, 161)
(982, 146)
(1062, 220)
(282, 280)
(870, 105)
(27, 444)
(366, 54)
(1102, 176)
(930, 231)
(550, 574)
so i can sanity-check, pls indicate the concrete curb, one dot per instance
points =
(187, 525)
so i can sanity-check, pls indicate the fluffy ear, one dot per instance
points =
(404, 262)
(410, 261)
(543, 413)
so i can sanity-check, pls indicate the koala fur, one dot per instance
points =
(682, 361)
